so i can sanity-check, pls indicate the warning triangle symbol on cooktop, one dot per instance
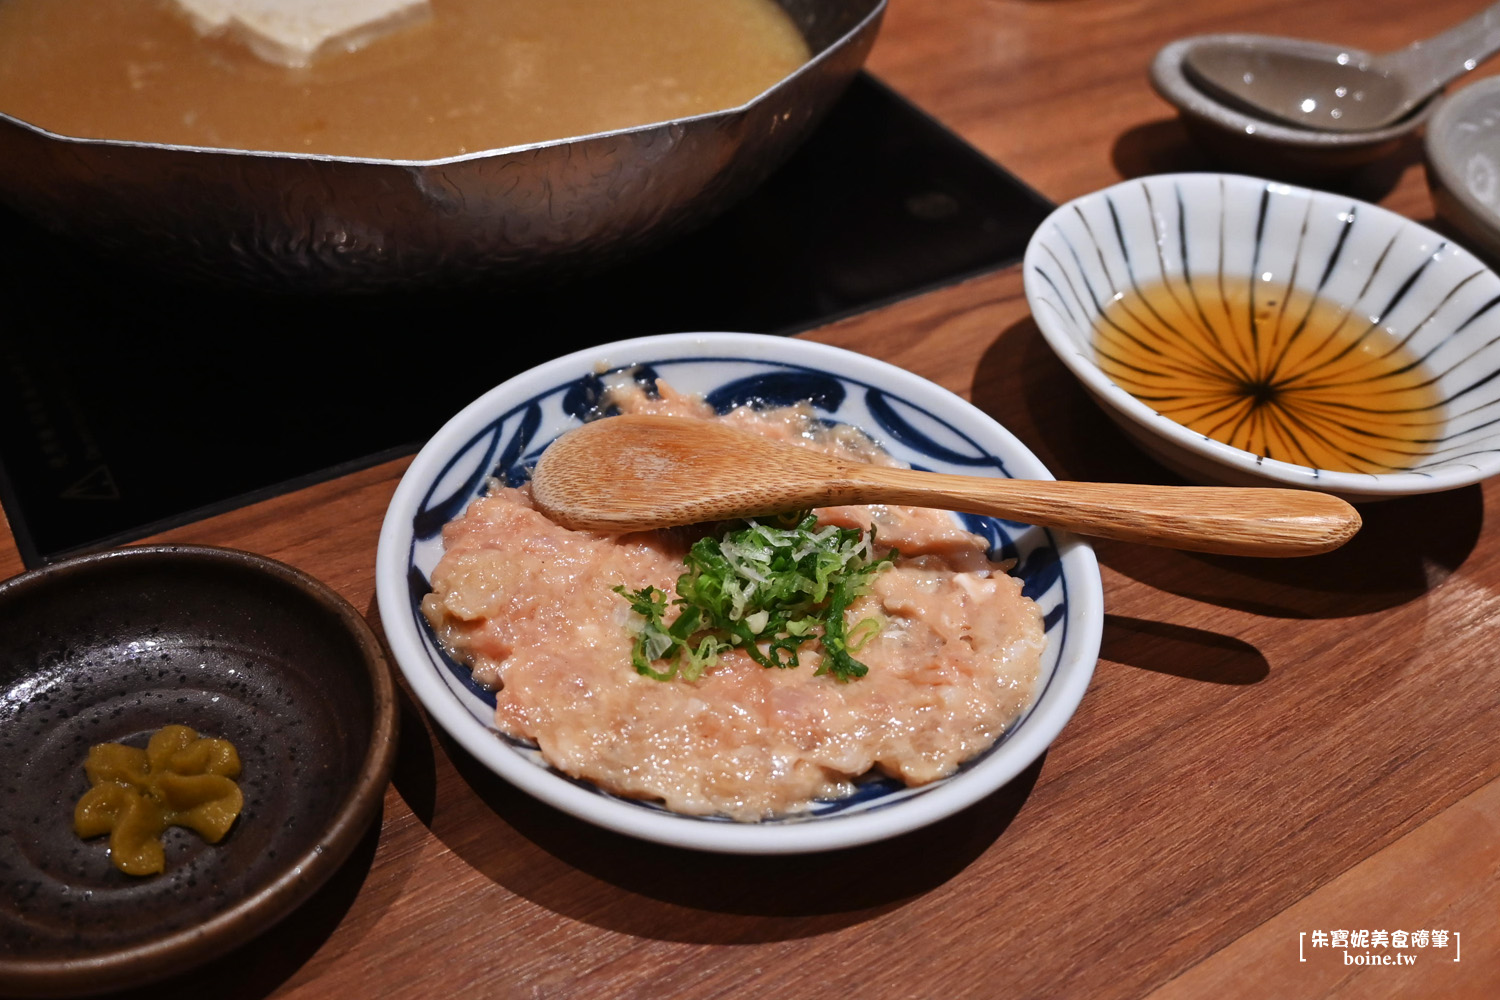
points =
(96, 484)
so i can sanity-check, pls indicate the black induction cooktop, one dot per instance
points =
(130, 401)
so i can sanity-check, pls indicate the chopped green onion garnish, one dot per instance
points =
(766, 590)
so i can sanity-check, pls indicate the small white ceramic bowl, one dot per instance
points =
(502, 433)
(1462, 149)
(1380, 268)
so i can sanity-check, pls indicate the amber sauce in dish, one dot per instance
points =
(475, 75)
(1287, 376)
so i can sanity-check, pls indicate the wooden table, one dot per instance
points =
(1269, 750)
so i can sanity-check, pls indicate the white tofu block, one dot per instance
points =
(292, 32)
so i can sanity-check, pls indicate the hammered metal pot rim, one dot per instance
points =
(300, 222)
(876, 11)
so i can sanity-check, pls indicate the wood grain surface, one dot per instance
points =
(1270, 749)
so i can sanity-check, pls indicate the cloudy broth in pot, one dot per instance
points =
(1291, 377)
(474, 75)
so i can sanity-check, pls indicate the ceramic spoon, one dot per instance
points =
(633, 473)
(1337, 89)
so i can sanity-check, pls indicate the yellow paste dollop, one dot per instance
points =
(180, 779)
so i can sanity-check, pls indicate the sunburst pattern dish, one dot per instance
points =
(1243, 330)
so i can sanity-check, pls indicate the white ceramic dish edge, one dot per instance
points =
(1463, 165)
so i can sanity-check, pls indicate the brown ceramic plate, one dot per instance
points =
(109, 648)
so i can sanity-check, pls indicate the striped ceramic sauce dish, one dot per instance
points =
(1248, 332)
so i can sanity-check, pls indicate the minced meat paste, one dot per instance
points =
(532, 608)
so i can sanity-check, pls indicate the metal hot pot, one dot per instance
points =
(291, 221)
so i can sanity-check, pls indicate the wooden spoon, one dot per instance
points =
(634, 473)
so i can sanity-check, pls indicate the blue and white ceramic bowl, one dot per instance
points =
(502, 434)
(1384, 271)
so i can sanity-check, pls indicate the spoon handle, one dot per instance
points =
(1435, 62)
(1250, 521)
